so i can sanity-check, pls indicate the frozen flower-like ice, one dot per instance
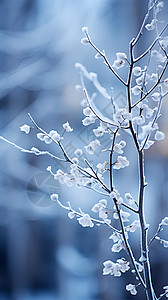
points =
(139, 120)
(136, 90)
(85, 221)
(124, 265)
(67, 127)
(100, 208)
(137, 71)
(92, 146)
(118, 147)
(150, 26)
(166, 290)
(117, 247)
(116, 195)
(132, 227)
(120, 61)
(102, 167)
(111, 268)
(54, 135)
(122, 162)
(159, 135)
(131, 288)
(115, 237)
(40, 136)
(25, 128)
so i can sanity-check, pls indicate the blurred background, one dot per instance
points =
(43, 254)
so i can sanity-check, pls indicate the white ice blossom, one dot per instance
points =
(122, 162)
(159, 135)
(100, 208)
(102, 167)
(133, 226)
(67, 127)
(92, 146)
(138, 120)
(118, 147)
(40, 136)
(25, 128)
(115, 237)
(124, 265)
(137, 71)
(120, 61)
(166, 290)
(151, 25)
(116, 195)
(131, 288)
(85, 221)
(136, 90)
(117, 247)
(54, 135)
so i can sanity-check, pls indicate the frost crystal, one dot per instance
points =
(164, 221)
(137, 71)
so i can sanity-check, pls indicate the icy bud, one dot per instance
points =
(166, 82)
(164, 221)
(156, 96)
(131, 288)
(136, 90)
(115, 237)
(137, 71)
(92, 146)
(78, 152)
(159, 135)
(120, 61)
(85, 221)
(122, 162)
(84, 41)
(150, 26)
(25, 128)
(54, 197)
(121, 55)
(85, 30)
(67, 127)
(100, 208)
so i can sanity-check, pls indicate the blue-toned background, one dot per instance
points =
(43, 254)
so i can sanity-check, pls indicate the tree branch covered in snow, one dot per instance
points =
(138, 117)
